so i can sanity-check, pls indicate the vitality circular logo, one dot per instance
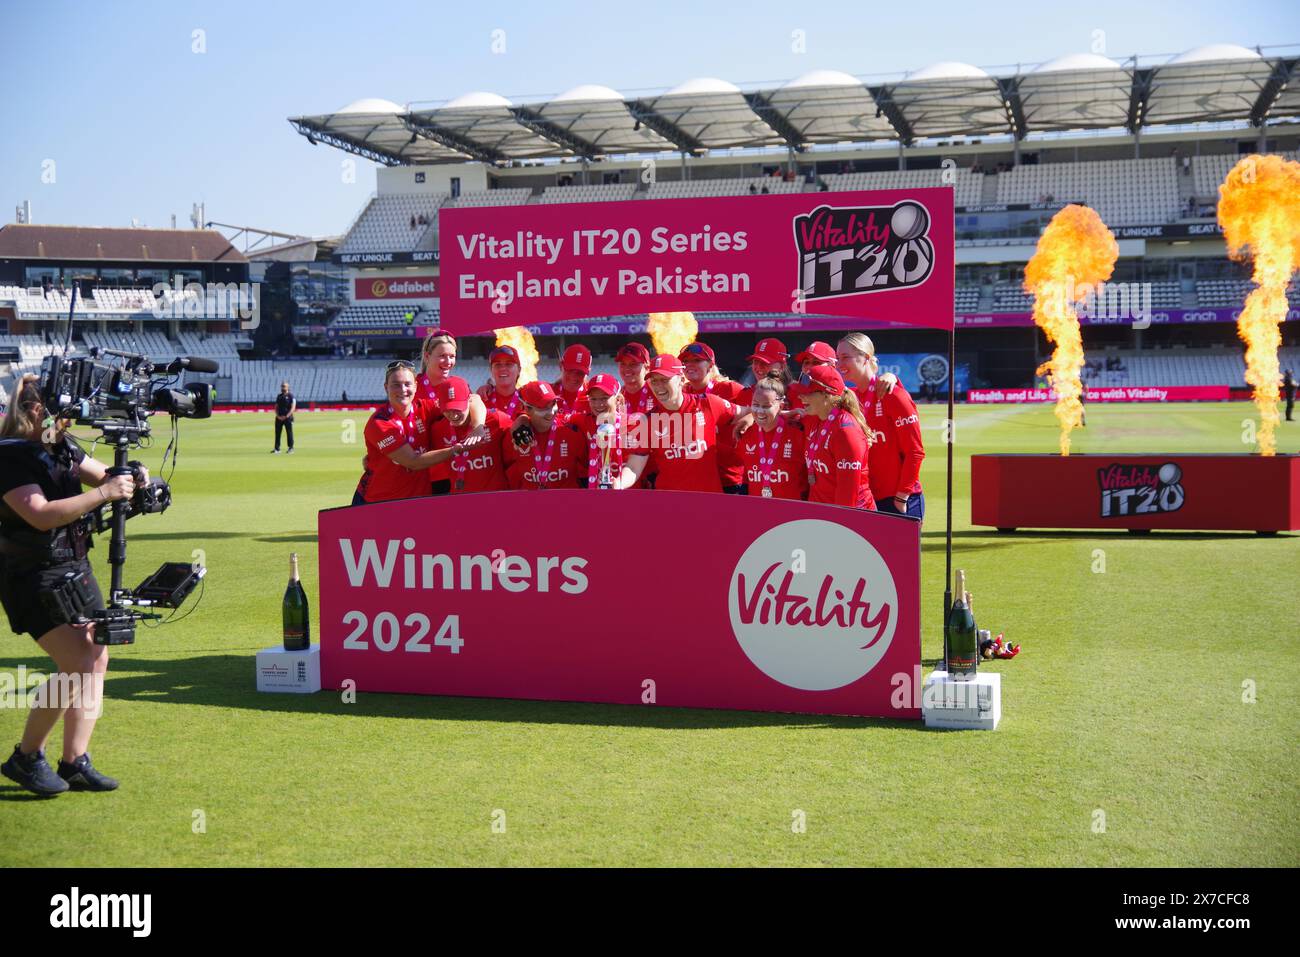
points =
(813, 605)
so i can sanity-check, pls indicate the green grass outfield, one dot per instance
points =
(1127, 700)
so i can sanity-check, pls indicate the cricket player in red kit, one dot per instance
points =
(477, 468)
(836, 444)
(769, 359)
(570, 391)
(894, 462)
(704, 378)
(502, 390)
(437, 360)
(607, 448)
(817, 354)
(556, 455)
(774, 449)
(399, 441)
(633, 364)
(682, 436)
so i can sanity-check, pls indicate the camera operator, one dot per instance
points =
(42, 535)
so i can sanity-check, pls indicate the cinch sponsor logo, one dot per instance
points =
(691, 450)
(899, 423)
(1140, 489)
(843, 464)
(103, 910)
(538, 478)
(813, 605)
(775, 476)
(478, 462)
(878, 436)
(820, 467)
(848, 251)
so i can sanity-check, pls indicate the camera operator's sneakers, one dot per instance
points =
(34, 773)
(81, 775)
(290, 452)
(275, 451)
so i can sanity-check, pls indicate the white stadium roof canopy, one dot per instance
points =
(1213, 84)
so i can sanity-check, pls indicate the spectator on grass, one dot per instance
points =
(1288, 393)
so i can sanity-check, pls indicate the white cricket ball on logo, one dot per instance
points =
(1170, 473)
(797, 573)
(909, 221)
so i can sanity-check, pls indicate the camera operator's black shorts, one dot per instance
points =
(21, 598)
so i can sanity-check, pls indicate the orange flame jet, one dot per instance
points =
(1075, 252)
(1259, 209)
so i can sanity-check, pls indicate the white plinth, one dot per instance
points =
(294, 672)
(974, 705)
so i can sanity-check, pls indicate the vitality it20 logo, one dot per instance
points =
(848, 251)
(1140, 489)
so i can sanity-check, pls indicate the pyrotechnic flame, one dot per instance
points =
(671, 332)
(1075, 252)
(1259, 208)
(522, 340)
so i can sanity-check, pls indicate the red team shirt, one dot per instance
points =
(424, 388)
(643, 400)
(511, 406)
(836, 455)
(894, 462)
(480, 468)
(777, 455)
(731, 465)
(569, 403)
(384, 480)
(692, 467)
(556, 459)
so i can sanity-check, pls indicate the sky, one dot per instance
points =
(114, 110)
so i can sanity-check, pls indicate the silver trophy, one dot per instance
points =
(605, 434)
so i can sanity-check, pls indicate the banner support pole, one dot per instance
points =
(951, 437)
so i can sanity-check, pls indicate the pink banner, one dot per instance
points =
(885, 256)
(1127, 393)
(584, 596)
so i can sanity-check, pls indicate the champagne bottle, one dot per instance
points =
(297, 620)
(962, 637)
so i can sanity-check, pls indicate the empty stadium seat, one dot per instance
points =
(1123, 192)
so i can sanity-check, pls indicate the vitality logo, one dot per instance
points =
(847, 251)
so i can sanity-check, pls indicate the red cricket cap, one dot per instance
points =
(538, 394)
(667, 366)
(633, 352)
(577, 358)
(503, 354)
(452, 393)
(822, 378)
(696, 350)
(605, 383)
(770, 350)
(818, 351)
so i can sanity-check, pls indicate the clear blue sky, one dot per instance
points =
(139, 125)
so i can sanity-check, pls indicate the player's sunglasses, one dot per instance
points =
(696, 349)
(399, 364)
